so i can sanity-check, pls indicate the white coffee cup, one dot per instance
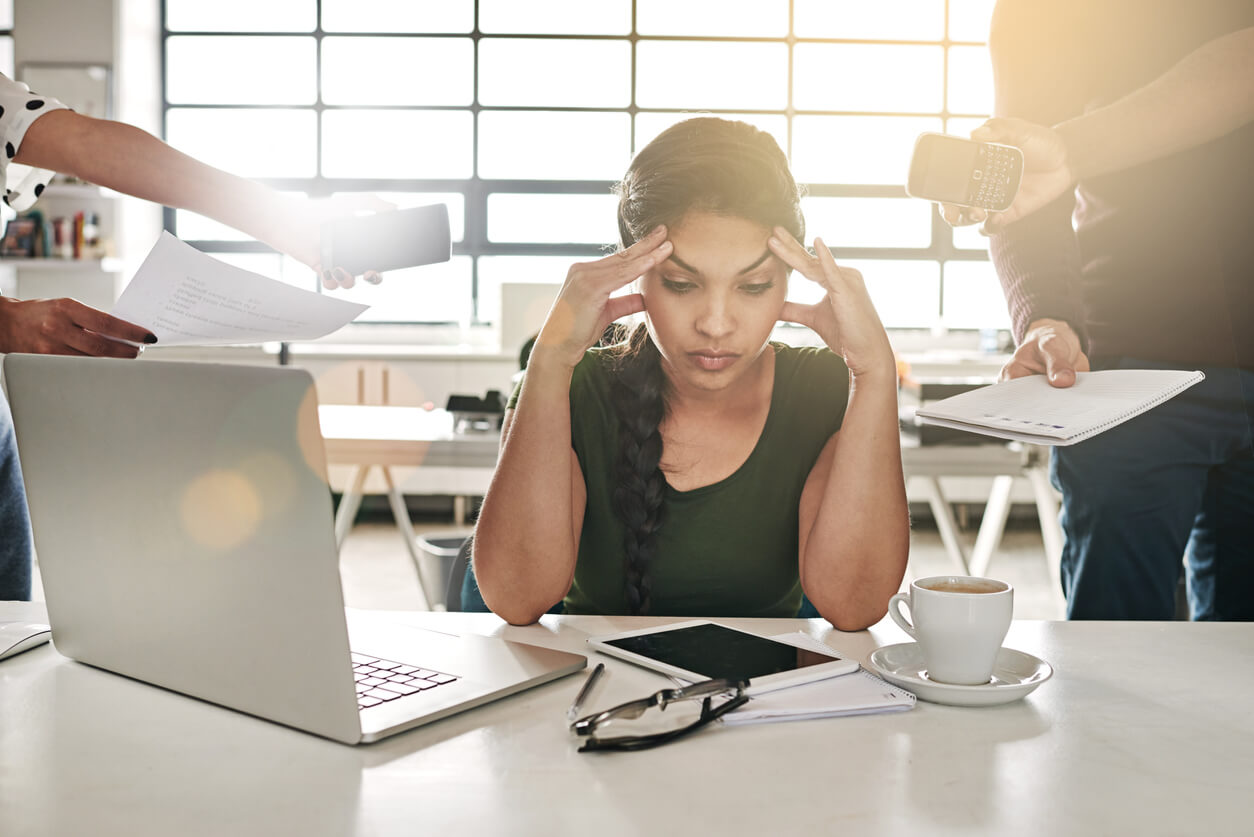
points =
(959, 622)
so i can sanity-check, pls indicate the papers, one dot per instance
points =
(188, 298)
(858, 693)
(1030, 410)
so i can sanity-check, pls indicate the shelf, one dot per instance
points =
(107, 265)
(76, 191)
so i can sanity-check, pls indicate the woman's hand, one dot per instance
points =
(845, 317)
(584, 307)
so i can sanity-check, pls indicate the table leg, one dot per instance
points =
(401, 513)
(1047, 511)
(945, 522)
(350, 502)
(996, 510)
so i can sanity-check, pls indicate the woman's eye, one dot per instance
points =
(758, 287)
(678, 286)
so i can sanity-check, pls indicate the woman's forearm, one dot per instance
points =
(132, 161)
(855, 552)
(525, 543)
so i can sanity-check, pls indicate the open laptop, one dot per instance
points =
(184, 530)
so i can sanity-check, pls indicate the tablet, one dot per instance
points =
(700, 650)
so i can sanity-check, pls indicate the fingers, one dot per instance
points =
(374, 277)
(961, 216)
(790, 251)
(842, 278)
(622, 306)
(794, 312)
(86, 317)
(627, 265)
(1058, 367)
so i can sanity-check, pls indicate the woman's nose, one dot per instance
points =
(716, 318)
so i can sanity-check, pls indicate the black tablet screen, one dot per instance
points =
(716, 651)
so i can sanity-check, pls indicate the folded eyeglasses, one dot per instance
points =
(660, 718)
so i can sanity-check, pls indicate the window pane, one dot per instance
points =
(970, 80)
(6, 14)
(691, 74)
(416, 16)
(396, 143)
(713, 18)
(230, 139)
(455, 201)
(6, 56)
(555, 219)
(556, 17)
(973, 296)
(240, 16)
(855, 149)
(868, 222)
(906, 294)
(544, 145)
(649, 125)
(557, 73)
(969, 19)
(897, 20)
(261, 71)
(398, 71)
(969, 238)
(495, 271)
(868, 77)
(431, 293)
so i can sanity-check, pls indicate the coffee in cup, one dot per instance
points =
(959, 623)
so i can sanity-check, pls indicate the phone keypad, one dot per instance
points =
(995, 177)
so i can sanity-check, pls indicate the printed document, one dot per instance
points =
(188, 298)
(1030, 410)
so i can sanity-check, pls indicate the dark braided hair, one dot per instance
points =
(705, 165)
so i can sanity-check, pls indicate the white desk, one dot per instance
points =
(1144, 729)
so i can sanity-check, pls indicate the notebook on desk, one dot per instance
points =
(183, 524)
(1029, 409)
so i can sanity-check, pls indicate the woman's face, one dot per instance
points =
(711, 306)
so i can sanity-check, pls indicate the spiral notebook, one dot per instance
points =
(857, 693)
(1030, 410)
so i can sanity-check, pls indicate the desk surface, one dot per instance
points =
(1144, 729)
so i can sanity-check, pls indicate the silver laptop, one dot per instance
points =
(184, 530)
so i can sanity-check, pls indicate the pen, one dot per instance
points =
(573, 712)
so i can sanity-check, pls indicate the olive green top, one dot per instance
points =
(725, 549)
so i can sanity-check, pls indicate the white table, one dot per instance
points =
(1145, 729)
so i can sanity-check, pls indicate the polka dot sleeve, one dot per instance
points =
(19, 108)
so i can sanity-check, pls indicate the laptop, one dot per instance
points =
(183, 524)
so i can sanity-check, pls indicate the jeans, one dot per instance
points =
(1168, 491)
(16, 551)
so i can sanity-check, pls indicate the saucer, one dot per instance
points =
(1015, 674)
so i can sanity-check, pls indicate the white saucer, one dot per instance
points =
(1015, 674)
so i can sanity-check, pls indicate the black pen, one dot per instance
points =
(573, 713)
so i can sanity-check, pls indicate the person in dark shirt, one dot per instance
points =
(1148, 262)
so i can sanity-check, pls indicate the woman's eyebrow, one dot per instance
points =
(685, 266)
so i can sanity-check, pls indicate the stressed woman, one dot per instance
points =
(696, 468)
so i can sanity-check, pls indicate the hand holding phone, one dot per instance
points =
(964, 172)
(387, 240)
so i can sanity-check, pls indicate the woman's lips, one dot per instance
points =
(713, 361)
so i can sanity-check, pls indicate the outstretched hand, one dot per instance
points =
(845, 318)
(584, 306)
(301, 236)
(1047, 173)
(67, 327)
(1051, 347)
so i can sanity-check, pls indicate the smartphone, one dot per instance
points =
(950, 169)
(387, 240)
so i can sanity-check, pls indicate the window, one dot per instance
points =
(520, 116)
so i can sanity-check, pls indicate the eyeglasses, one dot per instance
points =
(660, 718)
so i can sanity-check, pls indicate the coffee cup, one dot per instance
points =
(959, 622)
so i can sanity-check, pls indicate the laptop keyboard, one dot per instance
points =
(380, 681)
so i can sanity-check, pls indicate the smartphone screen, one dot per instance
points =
(387, 240)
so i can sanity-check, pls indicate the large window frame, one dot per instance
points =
(476, 190)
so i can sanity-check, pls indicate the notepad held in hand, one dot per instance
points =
(1030, 410)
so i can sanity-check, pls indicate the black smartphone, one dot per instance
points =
(387, 240)
(950, 169)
